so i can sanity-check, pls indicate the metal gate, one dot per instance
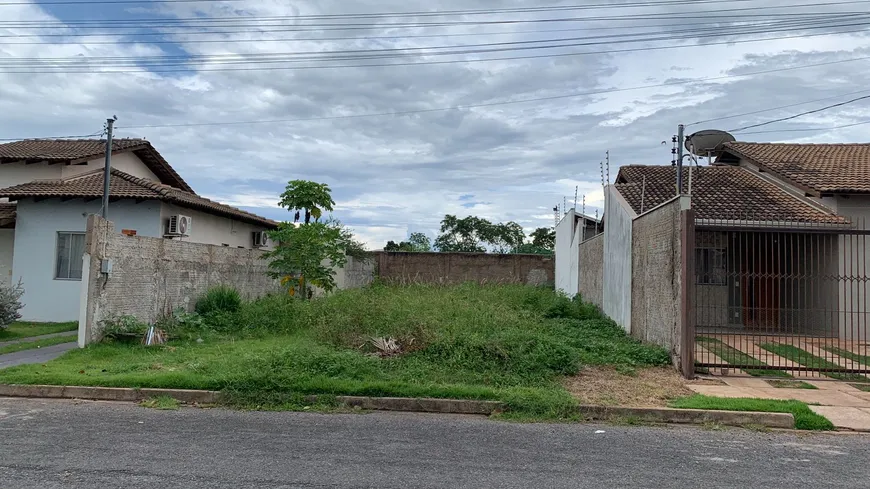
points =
(782, 300)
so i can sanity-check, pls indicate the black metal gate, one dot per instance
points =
(782, 300)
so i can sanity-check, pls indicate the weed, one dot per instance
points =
(737, 357)
(791, 384)
(862, 387)
(162, 402)
(804, 417)
(118, 328)
(807, 359)
(222, 298)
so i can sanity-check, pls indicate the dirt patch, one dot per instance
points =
(648, 387)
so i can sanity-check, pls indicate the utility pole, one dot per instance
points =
(107, 171)
(680, 130)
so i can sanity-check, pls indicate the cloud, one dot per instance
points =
(397, 174)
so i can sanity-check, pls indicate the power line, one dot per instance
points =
(493, 104)
(393, 52)
(98, 133)
(774, 108)
(813, 129)
(372, 65)
(769, 23)
(795, 116)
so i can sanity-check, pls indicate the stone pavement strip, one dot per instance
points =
(37, 338)
(846, 407)
(36, 355)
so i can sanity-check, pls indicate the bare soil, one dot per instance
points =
(646, 387)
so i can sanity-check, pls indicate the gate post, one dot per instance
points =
(687, 293)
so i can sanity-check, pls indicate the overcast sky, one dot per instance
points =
(397, 174)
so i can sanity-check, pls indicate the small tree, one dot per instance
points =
(544, 238)
(307, 256)
(10, 304)
(311, 197)
(417, 242)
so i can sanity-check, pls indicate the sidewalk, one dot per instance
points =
(29, 339)
(36, 355)
(846, 406)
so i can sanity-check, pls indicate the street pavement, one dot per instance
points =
(76, 444)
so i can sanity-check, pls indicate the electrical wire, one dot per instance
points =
(795, 116)
(494, 104)
(98, 133)
(158, 69)
(774, 108)
(813, 129)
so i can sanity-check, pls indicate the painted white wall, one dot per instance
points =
(18, 173)
(126, 162)
(854, 254)
(36, 228)
(210, 229)
(616, 294)
(7, 243)
(566, 247)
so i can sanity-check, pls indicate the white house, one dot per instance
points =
(51, 186)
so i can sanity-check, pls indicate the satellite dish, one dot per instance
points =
(708, 142)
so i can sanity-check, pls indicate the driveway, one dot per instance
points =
(70, 444)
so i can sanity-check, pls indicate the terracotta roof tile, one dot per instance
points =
(123, 185)
(822, 168)
(72, 150)
(718, 193)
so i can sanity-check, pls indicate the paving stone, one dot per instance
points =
(845, 417)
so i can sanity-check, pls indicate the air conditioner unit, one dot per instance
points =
(261, 239)
(178, 226)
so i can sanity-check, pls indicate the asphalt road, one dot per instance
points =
(67, 444)
(36, 355)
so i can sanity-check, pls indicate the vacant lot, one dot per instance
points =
(510, 343)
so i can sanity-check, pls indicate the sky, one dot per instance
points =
(468, 139)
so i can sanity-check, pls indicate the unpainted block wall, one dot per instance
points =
(591, 269)
(153, 276)
(455, 268)
(656, 275)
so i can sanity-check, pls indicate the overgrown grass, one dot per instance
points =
(791, 384)
(850, 355)
(30, 345)
(222, 298)
(25, 330)
(163, 402)
(807, 359)
(804, 417)
(507, 343)
(737, 357)
(861, 387)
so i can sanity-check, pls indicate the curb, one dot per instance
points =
(415, 405)
(692, 416)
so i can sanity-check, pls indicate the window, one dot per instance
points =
(710, 266)
(70, 248)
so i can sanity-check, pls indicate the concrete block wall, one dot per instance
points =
(150, 277)
(591, 270)
(656, 276)
(456, 268)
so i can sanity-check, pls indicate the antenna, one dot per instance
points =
(576, 188)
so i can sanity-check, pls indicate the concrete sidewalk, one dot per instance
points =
(30, 339)
(846, 406)
(36, 355)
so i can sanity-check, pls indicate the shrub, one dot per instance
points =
(122, 327)
(220, 298)
(10, 303)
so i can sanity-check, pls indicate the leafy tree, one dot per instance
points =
(505, 237)
(311, 197)
(532, 249)
(544, 238)
(307, 255)
(417, 242)
(466, 235)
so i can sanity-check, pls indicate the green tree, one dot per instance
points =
(466, 235)
(311, 197)
(544, 238)
(505, 237)
(307, 255)
(531, 249)
(417, 242)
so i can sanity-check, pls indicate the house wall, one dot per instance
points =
(153, 276)
(592, 270)
(456, 268)
(7, 245)
(37, 224)
(574, 263)
(126, 162)
(18, 173)
(656, 277)
(617, 258)
(210, 229)
(854, 253)
(566, 251)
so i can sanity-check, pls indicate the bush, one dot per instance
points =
(123, 327)
(221, 298)
(10, 304)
